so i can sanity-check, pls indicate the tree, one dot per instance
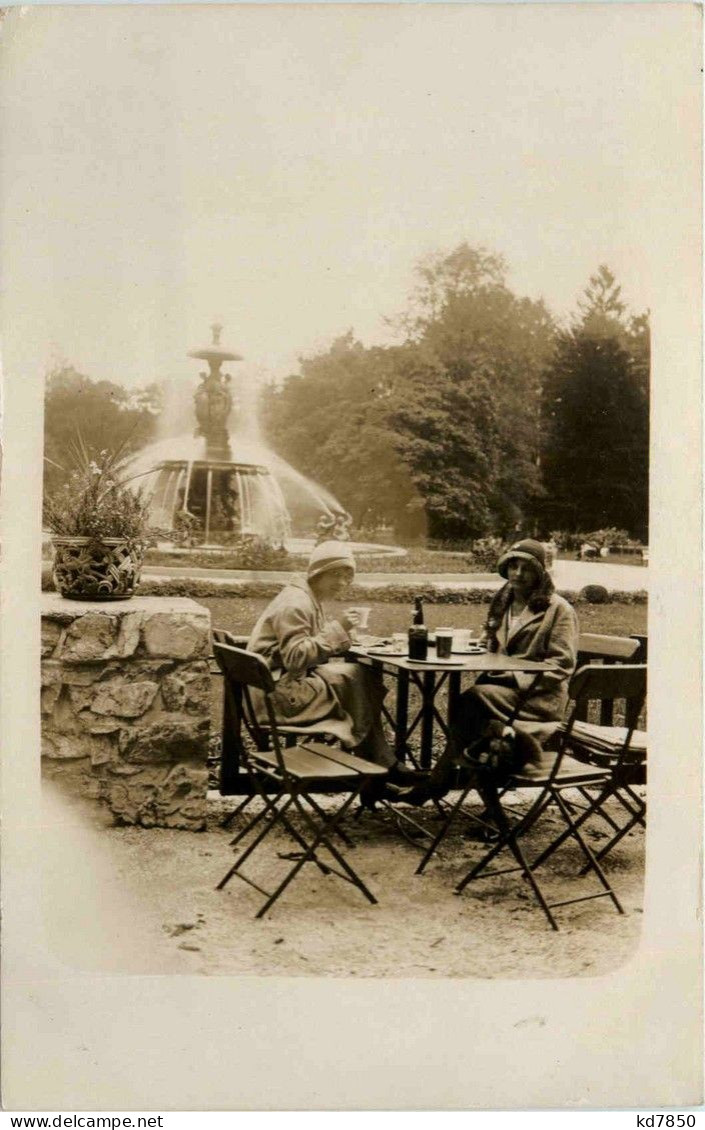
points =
(331, 421)
(445, 424)
(595, 459)
(485, 351)
(104, 414)
(601, 301)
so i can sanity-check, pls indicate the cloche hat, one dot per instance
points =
(528, 550)
(329, 555)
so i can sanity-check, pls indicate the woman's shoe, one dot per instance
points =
(374, 790)
(400, 774)
(424, 791)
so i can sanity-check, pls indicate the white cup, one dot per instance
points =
(363, 612)
(464, 638)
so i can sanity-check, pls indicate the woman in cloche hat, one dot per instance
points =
(529, 620)
(302, 649)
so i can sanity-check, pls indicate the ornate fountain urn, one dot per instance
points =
(213, 399)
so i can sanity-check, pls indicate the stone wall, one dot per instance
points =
(126, 694)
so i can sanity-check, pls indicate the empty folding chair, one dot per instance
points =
(284, 779)
(619, 750)
(565, 775)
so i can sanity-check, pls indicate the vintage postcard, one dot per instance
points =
(351, 552)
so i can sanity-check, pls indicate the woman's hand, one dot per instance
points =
(350, 619)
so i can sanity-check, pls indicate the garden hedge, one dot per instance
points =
(385, 594)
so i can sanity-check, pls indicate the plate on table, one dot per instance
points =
(372, 642)
(472, 650)
(434, 661)
(394, 650)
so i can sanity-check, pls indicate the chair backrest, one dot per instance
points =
(244, 670)
(222, 635)
(625, 681)
(594, 646)
(243, 667)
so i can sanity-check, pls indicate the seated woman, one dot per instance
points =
(312, 685)
(527, 619)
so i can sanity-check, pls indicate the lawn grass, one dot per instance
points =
(238, 615)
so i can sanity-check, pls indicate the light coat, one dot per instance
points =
(313, 685)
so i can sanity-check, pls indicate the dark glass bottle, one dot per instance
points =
(418, 642)
(418, 634)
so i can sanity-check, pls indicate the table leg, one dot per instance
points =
(453, 697)
(429, 690)
(402, 715)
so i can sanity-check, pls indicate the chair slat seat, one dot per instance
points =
(349, 760)
(570, 770)
(607, 739)
(307, 765)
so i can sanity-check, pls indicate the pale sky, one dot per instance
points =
(281, 168)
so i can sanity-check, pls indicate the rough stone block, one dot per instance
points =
(96, 725)
(151, 797)
(51, 634)
(89, 636)
(63, 718)
(77, 746)
(188, 690)
(128, 639)
(102, 749)
(182, 636)
(173, 738)
(126, 700)
(52, 674)
(63, 746)
(79, 675)
(49, 697)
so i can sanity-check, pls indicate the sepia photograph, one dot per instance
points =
(338, 331)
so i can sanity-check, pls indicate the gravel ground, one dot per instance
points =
(144, 901)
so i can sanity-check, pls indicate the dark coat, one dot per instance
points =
(551, 635)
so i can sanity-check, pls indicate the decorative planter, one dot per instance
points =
(96, 569)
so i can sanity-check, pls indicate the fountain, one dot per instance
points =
(215, 488)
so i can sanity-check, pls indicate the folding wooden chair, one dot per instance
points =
(619, 750)
(284, 778)
(236, 717)
(566, 774)
(608, 650)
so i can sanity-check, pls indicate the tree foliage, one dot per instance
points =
(482, 351)
(445, 424)
(104, 415)
(596, 417)
(332, 422)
